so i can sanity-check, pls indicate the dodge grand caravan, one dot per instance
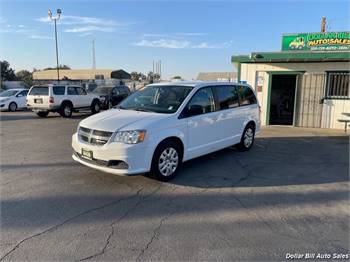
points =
(159, 127)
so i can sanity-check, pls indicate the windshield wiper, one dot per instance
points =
(141, 109)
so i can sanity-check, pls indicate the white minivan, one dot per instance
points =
(162, 125)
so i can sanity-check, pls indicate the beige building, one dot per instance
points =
(299, 88)
(218, 76)
(80, 74)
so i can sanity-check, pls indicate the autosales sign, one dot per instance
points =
(328, 41)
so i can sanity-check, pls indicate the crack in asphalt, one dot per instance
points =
(248, 173)
(53, 228)
(112, 225)
(156, 231)
(272, 229)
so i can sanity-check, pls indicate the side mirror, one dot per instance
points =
(19, 95)
(194, 110)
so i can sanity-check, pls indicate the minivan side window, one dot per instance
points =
(227, 96)
(246, 96)
(202, 102)
(59, 90)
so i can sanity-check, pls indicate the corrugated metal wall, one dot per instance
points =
(310, 89)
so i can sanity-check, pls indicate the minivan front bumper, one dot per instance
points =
(115, 158)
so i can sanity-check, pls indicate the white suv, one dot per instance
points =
(63, 99)
(162, 125)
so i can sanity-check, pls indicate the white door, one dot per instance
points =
(22, 99)
(73, 96)
(229, 119)
(84, 98)
(202, 131)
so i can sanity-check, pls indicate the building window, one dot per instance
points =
(338, 85)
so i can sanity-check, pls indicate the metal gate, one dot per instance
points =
(310, 90)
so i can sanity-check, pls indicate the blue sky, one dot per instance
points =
(189, 37)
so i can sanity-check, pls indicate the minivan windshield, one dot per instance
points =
(158, 99)
(8, 93)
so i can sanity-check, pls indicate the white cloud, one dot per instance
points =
(174, 35)
(181, 44)
(44, 37)
(80, 24)
(89, 29)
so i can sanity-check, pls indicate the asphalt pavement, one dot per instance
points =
(289, 194)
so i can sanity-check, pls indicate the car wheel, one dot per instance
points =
(247, 138)
(42, 113)
(12, 107)
(95, 107)
(66, 110)
(166, 160)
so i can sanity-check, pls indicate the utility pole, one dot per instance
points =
(323, 25)
(93, 55)
(55, 18)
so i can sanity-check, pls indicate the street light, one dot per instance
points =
(55, 18)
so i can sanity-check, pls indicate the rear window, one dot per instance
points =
(39, 91)
(58, 90)
(246, 96)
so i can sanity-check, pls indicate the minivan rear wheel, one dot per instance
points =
(166, 160)
(247, 138)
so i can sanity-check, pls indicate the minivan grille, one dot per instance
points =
(94, 137)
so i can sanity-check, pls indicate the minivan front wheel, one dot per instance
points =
(247, 138)
(166, 160)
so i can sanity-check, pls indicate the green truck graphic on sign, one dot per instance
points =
(297, 43)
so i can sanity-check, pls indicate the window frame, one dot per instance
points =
(74, 88)
(217, 102)
(183, 113)
(327, 83)
(239, 97)
(53, 90)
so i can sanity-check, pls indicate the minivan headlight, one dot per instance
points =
(130, 137)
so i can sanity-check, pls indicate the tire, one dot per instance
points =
(247, 139)
(42, 113)
(66, 110)
(166, 161)
(95, 106)
(12, 107)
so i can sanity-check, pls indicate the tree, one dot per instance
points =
(7, 73)
(177, 77)
(135, 76)
(26, 77)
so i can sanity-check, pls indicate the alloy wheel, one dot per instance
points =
(168, 161)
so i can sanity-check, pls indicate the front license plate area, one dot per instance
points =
(87, 153)
(38, 101)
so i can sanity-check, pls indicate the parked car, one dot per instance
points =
(111, 96)
(162, 125)
(62, 99)
(13, 99)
